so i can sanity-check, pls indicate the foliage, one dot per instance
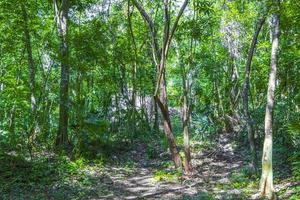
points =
(113, 76)
(168, 176)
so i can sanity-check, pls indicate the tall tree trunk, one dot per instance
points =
(168, 131)
(62, 24)
(185, 113)
(266, 182)
(234, 90)
(185, 125)
(160, 57)
(245, 95)
(134, 71)
(155, 107)
(163, 105)
(31, 68)
(79, 108)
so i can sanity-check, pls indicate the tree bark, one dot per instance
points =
(62, 24)
(160, 93)
(245, 95)
(33, 126)
(31, 65)
(185, 124)
(185, 113)
(134, 71)
(266, 182)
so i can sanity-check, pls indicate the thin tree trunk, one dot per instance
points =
(62, 24)
(159, 57)
(266, 182)
(156, 123)
(245, 95)
(185, 124)
(185, 114)
(134, 71)
(80, 103)
(155, 107)
(31, 68)
(234, 87)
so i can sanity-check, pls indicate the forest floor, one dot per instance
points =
(219, 173)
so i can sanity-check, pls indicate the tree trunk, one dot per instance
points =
(186, 140)
(79, 107)
(159, 58)
(266, 183)
(245, 95)
(31, 68)
(185, 114)
(169, 133)
(62, 24)
(163, 105)
(134, 71)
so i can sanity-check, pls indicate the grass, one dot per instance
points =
(167, 176)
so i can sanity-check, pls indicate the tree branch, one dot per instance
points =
(167, 42)
(152, 29)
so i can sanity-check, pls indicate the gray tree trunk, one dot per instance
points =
(185, 126)
(185, 113)
(266, 182)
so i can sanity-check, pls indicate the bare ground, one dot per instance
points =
(212, 170)
(211, 178)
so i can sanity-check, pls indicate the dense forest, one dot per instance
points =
(149, 99)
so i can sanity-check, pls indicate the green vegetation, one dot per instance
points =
(120, 99)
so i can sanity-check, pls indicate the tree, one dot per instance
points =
(245, 94)
(266, 182)
(186, 108)
(159, 58)
(61, 15)
(32, 72)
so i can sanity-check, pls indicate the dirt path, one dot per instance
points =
(219, 173)
(212, 173)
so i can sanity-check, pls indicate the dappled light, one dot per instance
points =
(139, 99)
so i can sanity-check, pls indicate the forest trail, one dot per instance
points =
(219, 173)
(212, 173)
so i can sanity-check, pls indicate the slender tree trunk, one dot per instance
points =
(31, 68)
(80, 103)
(163, 105)
(160, 58)
(155, 107)
(245, 95)
(266, 182)
(234, 87)
(62, 24)
(185, 114)
(186, 140)
(134, 71)
(156, 123)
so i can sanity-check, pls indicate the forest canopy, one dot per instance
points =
(149, 99)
